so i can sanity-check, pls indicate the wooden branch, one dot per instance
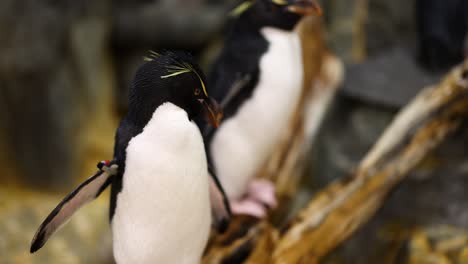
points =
(341, 208)
(344, 206)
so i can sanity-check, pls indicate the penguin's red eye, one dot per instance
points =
(197, 91)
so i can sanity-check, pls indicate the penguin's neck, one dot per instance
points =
(252, 42)
(251, 21)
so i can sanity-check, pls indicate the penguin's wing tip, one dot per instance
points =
(83, 194)
(38, 241)
(220, 207)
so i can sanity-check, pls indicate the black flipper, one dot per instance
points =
(85, 193)
(241, 89)
(220, 208)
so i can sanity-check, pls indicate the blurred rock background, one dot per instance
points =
(64, 72)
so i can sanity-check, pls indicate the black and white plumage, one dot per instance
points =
(161, 187)
(258, 78)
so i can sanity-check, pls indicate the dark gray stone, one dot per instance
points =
(391, 79)
(389, 24)
(348, 132)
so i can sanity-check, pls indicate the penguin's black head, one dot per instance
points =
(283, 14)
(171, 77)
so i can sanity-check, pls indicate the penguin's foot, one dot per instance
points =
(259, 198)
(248, 207)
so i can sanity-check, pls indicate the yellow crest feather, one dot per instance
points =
(174, 70)
(152, 56)
(240, 9)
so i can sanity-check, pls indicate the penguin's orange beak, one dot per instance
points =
(212, 111)
(305, 7)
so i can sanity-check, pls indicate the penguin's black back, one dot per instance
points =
(243, 48)
(240, 58)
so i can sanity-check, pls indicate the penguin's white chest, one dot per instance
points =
(244, 142)
(163, 211)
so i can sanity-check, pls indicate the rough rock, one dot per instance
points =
(390, 79)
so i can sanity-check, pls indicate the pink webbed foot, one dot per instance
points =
(259, 198)
(263, 191)
(248, 207)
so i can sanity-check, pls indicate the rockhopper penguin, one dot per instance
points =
(258, 79)
(161, 185)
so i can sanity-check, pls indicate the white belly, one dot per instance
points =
(244, 142)
(163, 211)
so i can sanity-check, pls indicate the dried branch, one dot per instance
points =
(344, 206)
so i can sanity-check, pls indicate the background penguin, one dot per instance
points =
(258, 77)
(161, 182)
